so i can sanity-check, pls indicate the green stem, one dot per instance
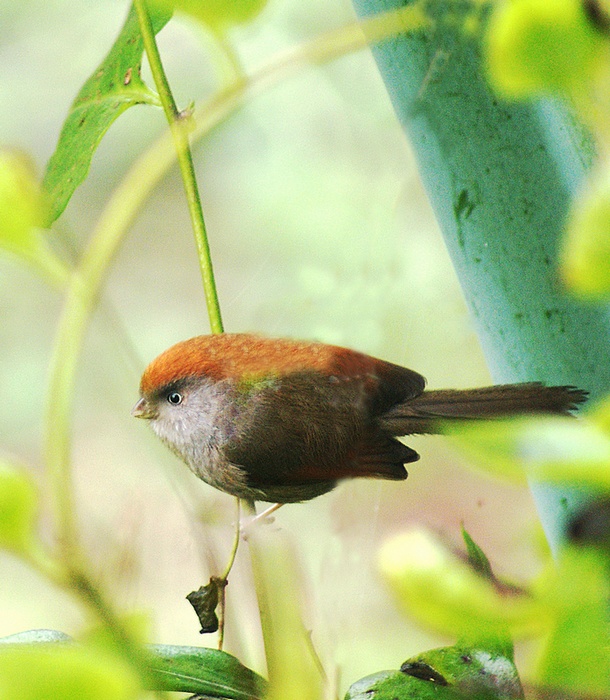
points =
(229, 65)
(81, 296)
(500, 176)
(178, 123)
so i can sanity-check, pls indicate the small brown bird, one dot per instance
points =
(270, 419)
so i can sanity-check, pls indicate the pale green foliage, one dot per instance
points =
(444, 592)
(18, 509)
(20, 202)
(64, 672)
(586, 251)
(293, 673)
(550, 449)
(576, 650)
(537, 46)
(22, 211)
(217, 14)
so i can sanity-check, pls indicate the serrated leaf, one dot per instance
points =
(206, 672)
(113, 87)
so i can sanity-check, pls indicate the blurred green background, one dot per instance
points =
(319, 229)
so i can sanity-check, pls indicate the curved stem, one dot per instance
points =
(84, 284)
(81, 296)
(179, 124)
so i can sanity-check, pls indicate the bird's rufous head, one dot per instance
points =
(239, 355)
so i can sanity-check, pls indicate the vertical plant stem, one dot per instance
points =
(179, 126)
(500, 177)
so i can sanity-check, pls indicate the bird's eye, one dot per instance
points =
(174, 398)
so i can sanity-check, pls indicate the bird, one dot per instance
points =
(284, 421)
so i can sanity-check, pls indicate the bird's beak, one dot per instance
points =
(143, 409)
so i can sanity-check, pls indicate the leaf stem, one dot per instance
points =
(179, 124)
(224, 579)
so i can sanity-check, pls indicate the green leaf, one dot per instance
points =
(64, 672)
(586, 246)
(477, 557)
(198, 670)
(476, 671)
(205, 671)
(460, 671)
(217, 14)
(394, 685)
(537, 46)
(113, 87)
(18, 509)
(576, 655)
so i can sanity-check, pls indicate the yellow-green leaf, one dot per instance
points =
(293, 673)
(542, 46)
(586, 249)
(576, 652)
(18, 509)
(217, 14)
(22, 211)
(64, 672)
(21, 207)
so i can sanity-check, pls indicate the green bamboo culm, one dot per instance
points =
(500, 177)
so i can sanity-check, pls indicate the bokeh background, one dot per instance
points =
(319, 229)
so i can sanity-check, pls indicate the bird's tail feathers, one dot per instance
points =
(427, 412)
